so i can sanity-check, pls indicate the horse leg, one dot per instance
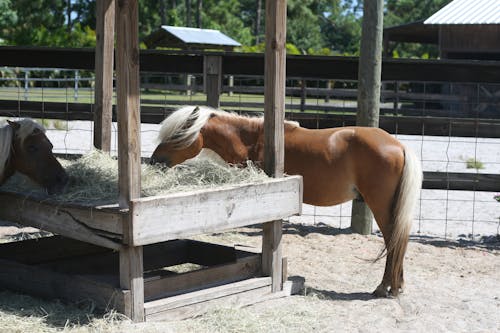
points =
(380, 202)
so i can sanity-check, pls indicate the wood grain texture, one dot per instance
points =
(213, 79)
(92, 225)
(105, 37)
(180, 215)
(128, 108)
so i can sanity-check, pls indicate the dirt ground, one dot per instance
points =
(450, 287)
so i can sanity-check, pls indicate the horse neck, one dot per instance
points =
(236, 139)
(6, 137)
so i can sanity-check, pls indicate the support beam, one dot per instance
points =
(129, 149)
(127, 89)
(369, 82)
(212, 67)
(105, 36)
(274, 116)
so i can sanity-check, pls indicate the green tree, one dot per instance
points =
(407, 11)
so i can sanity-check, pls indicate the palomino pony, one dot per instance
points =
(337, 165)
(25, 148)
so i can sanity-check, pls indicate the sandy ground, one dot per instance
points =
(450, 287)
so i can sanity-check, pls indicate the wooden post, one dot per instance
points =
(105, 36)
(274, 116)
(213, 79)
(369, 82)
(129, 146)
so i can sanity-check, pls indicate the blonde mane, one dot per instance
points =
(182, 127)
(26, 128)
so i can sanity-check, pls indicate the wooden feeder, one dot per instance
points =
(119, 255)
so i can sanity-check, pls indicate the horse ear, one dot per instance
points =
(15, 126)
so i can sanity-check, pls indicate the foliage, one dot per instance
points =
(472, 163)
(400, 12)
(324, 27)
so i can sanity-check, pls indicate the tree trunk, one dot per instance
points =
(258, 13)
(199, 9)
(188, 13)
(369, 81)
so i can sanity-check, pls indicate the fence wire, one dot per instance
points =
(445, 213)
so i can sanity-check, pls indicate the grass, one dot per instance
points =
(152, 98)
(472, 163)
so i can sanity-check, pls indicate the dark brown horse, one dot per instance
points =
(25, 148)
(337, 165)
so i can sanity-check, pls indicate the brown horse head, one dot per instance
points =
(180, 138)
(31, 154)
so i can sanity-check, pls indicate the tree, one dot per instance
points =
(407, 11)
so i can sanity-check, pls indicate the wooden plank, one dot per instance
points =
(213, 79)
(205, 294)
(47, 249)
(45, 283)
(127, 89)
(233, 295)
(316, 67)
(244, 268)
(105, 37)
(132, 278)
(461, 181)
(82, 224)
(274, 138)
(179, 215)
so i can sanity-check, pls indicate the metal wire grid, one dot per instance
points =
(458, 213)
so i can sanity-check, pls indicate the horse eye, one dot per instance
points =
(32, 149)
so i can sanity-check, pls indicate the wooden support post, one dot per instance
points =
(129, 147)
(213, 79)
(369, 82)
(274, 117)
(132, 278)
(105, 36)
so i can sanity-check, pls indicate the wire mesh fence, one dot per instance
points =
(443, 213)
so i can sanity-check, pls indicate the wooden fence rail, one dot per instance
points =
(412, 121)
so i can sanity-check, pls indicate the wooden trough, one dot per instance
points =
(120, 255)
(90, 267)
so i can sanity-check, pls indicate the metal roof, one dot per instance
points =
(200, 36)
(467, 12)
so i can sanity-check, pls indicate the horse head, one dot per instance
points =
(180, 138)
(31, 154)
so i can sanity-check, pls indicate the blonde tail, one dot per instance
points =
(404, 204)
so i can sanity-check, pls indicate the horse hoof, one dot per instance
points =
(381, 292)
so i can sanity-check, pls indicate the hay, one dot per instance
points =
(94, 178)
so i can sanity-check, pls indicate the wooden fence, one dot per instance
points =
(408, 120)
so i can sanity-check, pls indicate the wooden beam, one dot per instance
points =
(167, 286)
(129, 148)
(105, 37)
(80, 224)
(180, 215)
(127, 84)
(274, 116)
(369, 83)
(213, 79)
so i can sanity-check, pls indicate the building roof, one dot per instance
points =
(415, 32)
(467, 12)
(189, 38)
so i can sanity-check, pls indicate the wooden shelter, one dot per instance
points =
(186, 38)
(463, 29)
(116, 254)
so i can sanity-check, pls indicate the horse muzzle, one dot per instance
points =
(58, 184)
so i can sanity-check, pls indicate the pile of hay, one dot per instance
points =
(94, 178)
